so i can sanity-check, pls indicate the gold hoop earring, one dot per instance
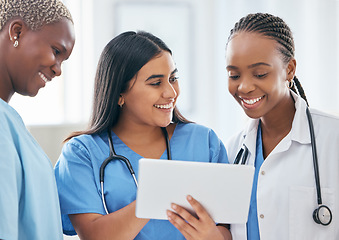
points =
(290, 84)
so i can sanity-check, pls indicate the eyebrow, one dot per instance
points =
(250, 66)
(259, 64)
(160, 75)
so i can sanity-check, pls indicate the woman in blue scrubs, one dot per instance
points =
(136, 89)
(35, 38)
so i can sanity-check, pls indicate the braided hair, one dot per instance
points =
(274, 28)
(35, 13)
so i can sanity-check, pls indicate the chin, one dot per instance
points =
(33, 94)
(29, 94)
(165, 124)
(253, 115)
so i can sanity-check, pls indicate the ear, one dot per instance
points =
(291, 68)
(16, 29)
(121, 101)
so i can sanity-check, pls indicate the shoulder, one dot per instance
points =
(193, 128)
(324, 117)
(83, 144)
(85, 140)
(325, 122)
(196, 134)
(11, 123)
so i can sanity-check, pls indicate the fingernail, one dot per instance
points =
(174, 206)
(169, 214)
(189, 197)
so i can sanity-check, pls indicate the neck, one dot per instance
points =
(6, 87)
(130, 132)
(279, 119)
(147, 141)
(5, 93)
(277, 124)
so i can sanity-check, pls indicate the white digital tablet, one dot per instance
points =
(223, 189)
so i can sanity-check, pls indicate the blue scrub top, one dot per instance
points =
(252, 223)
(77, 174)
(29, 204)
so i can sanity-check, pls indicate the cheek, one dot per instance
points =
(231, 87)
(176, 89)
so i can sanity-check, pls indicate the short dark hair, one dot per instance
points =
(35, 13)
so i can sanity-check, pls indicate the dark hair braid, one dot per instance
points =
(299, 89)
(274, 28)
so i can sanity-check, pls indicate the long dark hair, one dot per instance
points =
(274, 28)
(119, 62)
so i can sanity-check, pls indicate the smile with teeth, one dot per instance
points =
(251, 101)
(164, 106)
(43, 77)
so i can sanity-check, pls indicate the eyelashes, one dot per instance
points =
(259, 76)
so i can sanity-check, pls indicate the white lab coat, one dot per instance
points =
(286, 194)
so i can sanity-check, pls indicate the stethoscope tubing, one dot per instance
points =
(317, 215)
(114, 156)
(315, 156)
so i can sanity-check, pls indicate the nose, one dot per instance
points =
(246, 85)
(169, 91)
(56, 68)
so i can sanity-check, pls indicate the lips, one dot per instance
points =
(43, 77)
(164, 106)
(251, 103)
(252, 100)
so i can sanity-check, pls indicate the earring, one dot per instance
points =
(16, 42)
(120, 105)
(290, 83)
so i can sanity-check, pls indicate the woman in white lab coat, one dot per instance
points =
(261, 77)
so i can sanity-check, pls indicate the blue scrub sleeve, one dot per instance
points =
(11, 182)
(217, 149)
(78, 185)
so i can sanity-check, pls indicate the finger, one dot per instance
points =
(187, 216)
(179, 223)
(199, 210)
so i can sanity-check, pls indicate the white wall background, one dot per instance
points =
(197, 31)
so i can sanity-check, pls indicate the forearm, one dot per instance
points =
(121, 224)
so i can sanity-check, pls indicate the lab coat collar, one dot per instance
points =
(299, 132)
(300, 128)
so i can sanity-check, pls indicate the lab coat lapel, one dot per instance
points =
(250, 137)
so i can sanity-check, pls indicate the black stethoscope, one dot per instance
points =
(114, 156)
(321, 215)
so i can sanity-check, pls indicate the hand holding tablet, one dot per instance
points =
(224, 190)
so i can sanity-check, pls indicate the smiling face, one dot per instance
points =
(257, 74)
(39, 55)
(152, 94)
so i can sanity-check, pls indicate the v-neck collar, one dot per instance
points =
(121, 148)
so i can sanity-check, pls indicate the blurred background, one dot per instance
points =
(196, 31)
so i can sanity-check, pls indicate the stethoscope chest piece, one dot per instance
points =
(322, 215)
